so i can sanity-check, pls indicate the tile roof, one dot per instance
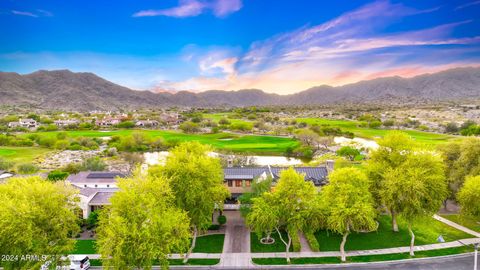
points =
(318, 175)
(101, 198)
(94, 177)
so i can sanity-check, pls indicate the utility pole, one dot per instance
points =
(475, 259)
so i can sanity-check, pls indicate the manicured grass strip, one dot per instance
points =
(426, 232)
(85, 247)
(243, 144)
(468, 222)
(353, 126)
(194, 262)
(366, 258)
(22, 154)
(95, 262)
(278, 246)
(209, 243)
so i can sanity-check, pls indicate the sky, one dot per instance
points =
(278, 46)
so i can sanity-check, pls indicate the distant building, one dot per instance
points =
(171, 118)
(26, 123)
(146, 123)
(66, 123)
(108, 122)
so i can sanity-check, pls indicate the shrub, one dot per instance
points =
(92, 220)
(214, 227)
(296, 242)
(126, 124)
(72, 168)
(57, 176)
(5, 164)
(312, 241)
(222, 219)
(27, 168)
(94, 164)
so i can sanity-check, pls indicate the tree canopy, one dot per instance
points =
(37, 217)
(416, 188)
(196, 180)
(348, 204)
(469, 197)
(291, 206)
(393, 151)
(142, 224)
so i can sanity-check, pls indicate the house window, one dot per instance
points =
(84, 185)
(230, 183)
(248, 183)
(238, 183)
(96, 185)
(108, 185)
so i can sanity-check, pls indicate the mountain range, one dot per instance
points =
(66, 90)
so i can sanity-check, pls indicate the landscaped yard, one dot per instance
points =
(366, 258)
(227, 141)
(468, 222)
(22, 154)
(94, 262)
(426, 232)
(85, 247)
(212, 243)
(205, 244)
(278, 246)
(370, 133)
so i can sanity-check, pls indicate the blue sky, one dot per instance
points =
(279, 46)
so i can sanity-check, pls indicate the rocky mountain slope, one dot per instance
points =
(63, 89)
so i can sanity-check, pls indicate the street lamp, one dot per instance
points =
(475, 259)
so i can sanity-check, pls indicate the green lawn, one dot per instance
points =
(22, 154)
(212, 243)
(205, 244)
(370, 133)
(85, 247)
(366, 258)
(227, 141)
(426, 232)
(95, 262)
(278, 246)
(468, 222)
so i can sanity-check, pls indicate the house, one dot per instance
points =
(146, 123)
(95, 189)
(171, 118)
(95, 179)
(25, 123)
(92, 199)
(66, 123)
(239, 180)
(108, 122)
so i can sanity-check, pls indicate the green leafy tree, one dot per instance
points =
(469, 197)
(461, 160)
(36, 217)
(290, 207)
(142, 225)
(393, 151)
(57, 175)
(197, 183)
(348, 204)
(94, 164)
(416, 188)
(348, 152)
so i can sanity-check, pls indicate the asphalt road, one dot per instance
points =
(456, 262)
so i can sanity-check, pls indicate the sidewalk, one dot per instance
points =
(457, 243)
(456, 225)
